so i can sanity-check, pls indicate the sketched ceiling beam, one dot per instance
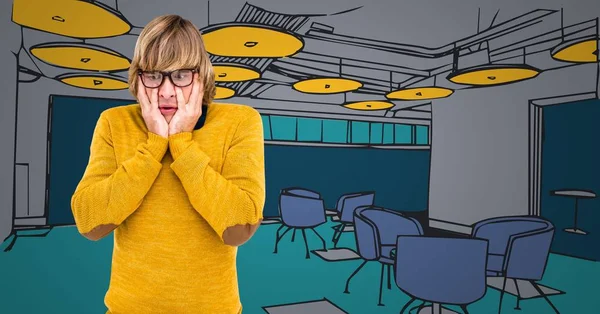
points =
(410, 114)
(548, 39)
(405, 105)
(429, 57)
(291, 106)
(504, 28)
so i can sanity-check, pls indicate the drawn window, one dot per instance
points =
(388, 133)
(309, 129)
(305, 129)
(360, 132)
(376, 133)
(335, 131)
(283, 128)
(422, 135)
(403, 134)
(266, 127)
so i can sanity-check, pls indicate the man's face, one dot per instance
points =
(167, 93)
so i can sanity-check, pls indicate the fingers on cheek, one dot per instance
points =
(179, 94)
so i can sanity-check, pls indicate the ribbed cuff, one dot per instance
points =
(179, 142)
(157, 145)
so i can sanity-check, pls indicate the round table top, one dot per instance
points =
(575, 193)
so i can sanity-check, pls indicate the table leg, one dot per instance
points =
(436, 308)
(575, 229)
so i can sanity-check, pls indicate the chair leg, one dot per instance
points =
(502, 295)
(464, 309)
(320, 237)
(545, 296)
(338, 235)
(294, 235)
(335, 232)
(279, 237)
(354, 273)
(518, 308)
(389, 270)
(436, 308)
(419, 307)
(279, 229)
(305, 243)
(407, 305)
(381, 284)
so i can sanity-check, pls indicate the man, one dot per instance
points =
(178, 178)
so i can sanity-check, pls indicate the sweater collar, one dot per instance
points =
(202, 118)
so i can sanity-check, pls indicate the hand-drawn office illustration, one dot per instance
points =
(447, 147)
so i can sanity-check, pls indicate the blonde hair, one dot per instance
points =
(167, 43)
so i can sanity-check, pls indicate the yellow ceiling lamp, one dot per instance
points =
(224, 92)
(235, 73)
(327, 85)
(580, 50)
(78, 19)
(252, 41)
(369, 105)
(80, 56)
(493, 74)
(94, 81)
(420, 93)
(583, 50)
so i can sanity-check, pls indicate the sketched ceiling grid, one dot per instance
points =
(532, 43)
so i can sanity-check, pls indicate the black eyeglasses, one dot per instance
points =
(179, 78)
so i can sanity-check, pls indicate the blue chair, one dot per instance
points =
(345, 208)
(376, 230)
(441, 270)
(300, 209)
(518, 249)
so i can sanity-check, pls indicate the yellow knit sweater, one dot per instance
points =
(171, 200)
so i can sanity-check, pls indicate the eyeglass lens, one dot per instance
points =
(180, 78)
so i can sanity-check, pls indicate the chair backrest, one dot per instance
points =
(301, 211)
(528, 254)
(376, 226)
(498, 230)
(442, 270)
(301, 192)
(348, 203)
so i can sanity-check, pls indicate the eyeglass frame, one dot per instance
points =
(167, 74)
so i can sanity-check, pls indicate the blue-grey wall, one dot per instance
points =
(571, 159)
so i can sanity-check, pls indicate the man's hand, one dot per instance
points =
(187, 114)
(155, 121)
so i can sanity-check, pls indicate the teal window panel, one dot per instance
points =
(376, 133)
(422, 135)
(283, 128)
(360, 132)
(266, 127)
(335, 131)
(403, 134)
(309, 129)
(388, 133)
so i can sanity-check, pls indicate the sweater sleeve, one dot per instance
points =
(107, 193)
(236, 196)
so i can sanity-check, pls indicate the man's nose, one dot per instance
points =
(167, 90)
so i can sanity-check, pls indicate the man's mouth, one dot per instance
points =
(167, 109)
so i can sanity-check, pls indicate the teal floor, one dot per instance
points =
(65, 273)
